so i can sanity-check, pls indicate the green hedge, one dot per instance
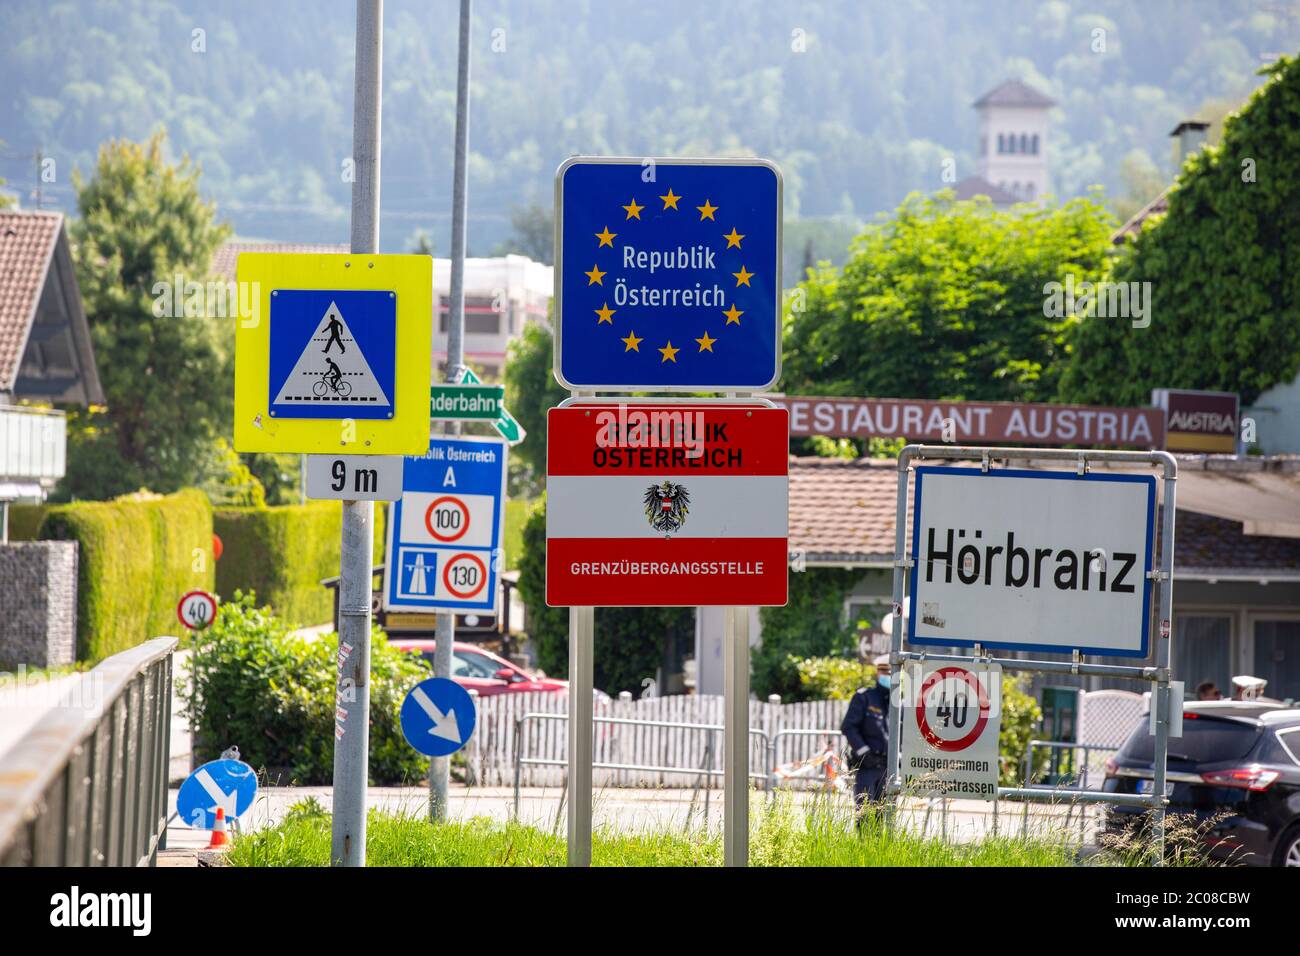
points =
(283, 553)
(25, 521)
(137, 555)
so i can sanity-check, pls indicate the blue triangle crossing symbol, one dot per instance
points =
(332, 369)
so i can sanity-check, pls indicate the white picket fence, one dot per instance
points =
(684, 753)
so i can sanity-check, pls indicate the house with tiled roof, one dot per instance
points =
(45, 349)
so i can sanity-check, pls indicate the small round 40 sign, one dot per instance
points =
(197, 610)
(951, 721)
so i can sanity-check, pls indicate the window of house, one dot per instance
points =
(1033, 144)
(1002, 143)
(1024, 142)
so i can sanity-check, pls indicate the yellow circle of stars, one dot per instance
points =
(605, 238)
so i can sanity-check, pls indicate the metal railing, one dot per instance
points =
(87, 785)
(706, 770)
(1082, 776)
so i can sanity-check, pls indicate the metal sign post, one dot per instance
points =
(667, 279)
(962, 624)
(440, 767)
(352, 730)
(582, 622)
(735, 750)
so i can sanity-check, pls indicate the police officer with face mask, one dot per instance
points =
(866, 725)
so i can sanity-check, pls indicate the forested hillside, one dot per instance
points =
(858, 107)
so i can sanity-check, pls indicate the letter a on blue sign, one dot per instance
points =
(670, 275)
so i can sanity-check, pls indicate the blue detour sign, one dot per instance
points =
(438, 717)
(668, 274)
(333, 353)
(229, 784)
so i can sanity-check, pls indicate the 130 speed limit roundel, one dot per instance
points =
(951, 718)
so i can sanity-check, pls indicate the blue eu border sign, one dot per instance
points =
(444, 533)
(668, 274)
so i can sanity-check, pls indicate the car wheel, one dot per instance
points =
(1288, 851)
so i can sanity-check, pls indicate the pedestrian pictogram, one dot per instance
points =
(331, 370)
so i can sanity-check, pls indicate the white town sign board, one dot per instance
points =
(951, 716)
(1041, 560)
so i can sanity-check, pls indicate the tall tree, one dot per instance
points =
(1220, 271)
(945, 300)
(165, 371)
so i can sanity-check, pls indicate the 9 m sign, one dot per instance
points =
(1039, 560)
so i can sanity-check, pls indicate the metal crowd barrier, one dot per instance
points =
(1027, 794)
(87, 785)
(1088, 749)
(704, 771)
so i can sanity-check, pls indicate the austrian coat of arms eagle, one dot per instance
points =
(666, 507)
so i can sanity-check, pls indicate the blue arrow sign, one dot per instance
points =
(438, 717)
(669, 274)
(229, 784)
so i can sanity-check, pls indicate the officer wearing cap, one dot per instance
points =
(866, 727)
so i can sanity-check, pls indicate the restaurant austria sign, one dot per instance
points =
(975, 423)
(666, 505)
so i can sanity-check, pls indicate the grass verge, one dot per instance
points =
(781, 835)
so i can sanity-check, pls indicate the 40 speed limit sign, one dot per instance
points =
(951, 716)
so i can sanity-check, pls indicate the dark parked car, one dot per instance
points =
(1237, 759)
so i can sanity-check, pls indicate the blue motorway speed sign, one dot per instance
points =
(229, 784)
(444, 533)
(668, 274)
(438, 717)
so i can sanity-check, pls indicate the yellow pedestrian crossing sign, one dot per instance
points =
(336, 354)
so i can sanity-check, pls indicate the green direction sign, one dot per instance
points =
(505, 423)
(465, 402)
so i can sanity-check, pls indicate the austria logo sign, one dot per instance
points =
(666, 505)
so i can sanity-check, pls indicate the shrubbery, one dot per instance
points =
(273, 695)
(282, 554)
(136, 556)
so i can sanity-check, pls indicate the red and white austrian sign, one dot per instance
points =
(951, 716)
(666, 505)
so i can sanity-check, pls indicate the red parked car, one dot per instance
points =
(474, 668)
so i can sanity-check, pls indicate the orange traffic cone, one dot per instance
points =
(219, 838)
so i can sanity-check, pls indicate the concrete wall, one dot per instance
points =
(38, 603)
